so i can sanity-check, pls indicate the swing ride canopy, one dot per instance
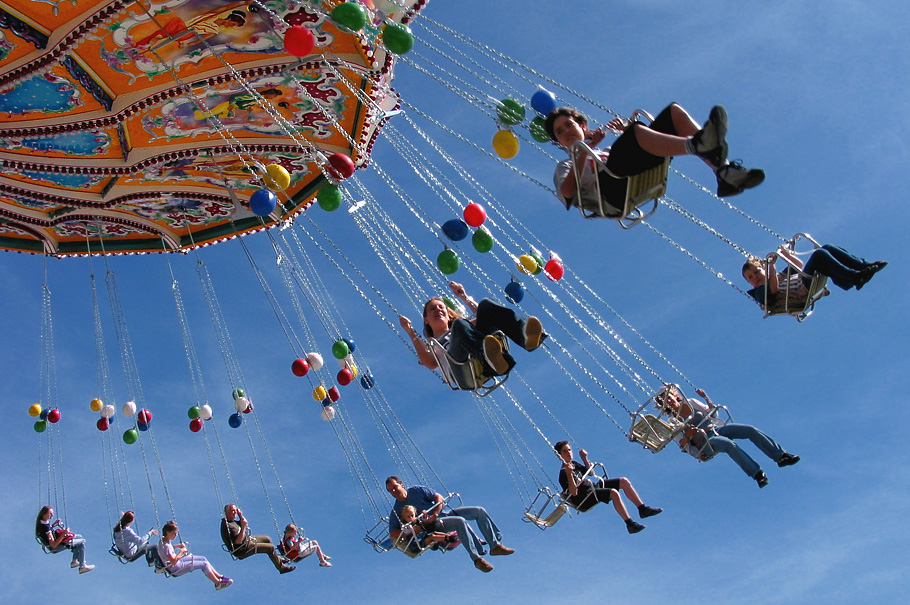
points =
(146, 124)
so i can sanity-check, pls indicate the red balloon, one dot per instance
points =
(344, 377)
(102, 424)
(195, 425)
(299, 41)
(340, 166)
(300, 367)
(145, 416)
(334, 395)
(554, 269)
(249, 408)
(53, 415)
(475, 215)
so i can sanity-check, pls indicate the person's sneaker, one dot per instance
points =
(634, 527)
(324, 564)
(866, 273)
(709, 143)
(492, 353)
(286, 569)
(86, 568)
(224, 583)
(533, 333)
(645, 511)
(482, 565)
(74, 564)
(787, 460)
(499, 549)
(733, 179)
(761, 478)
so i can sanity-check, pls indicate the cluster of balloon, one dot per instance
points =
(299, 41)
(242, 405)
(302, 366)
(542, 102)
(197, 414)
(397, 38)
(475, 216)
(350, 15)
(510, 112)
(107, 414)
(44, 416)
(340, 166)
(342, 350)
(329, 197)
(533, 264)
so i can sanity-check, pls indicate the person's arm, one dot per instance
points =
(584, 458)
(791, 257)
(701, 393)
(238, 540)
(424, 356)
(54, 542)
(458, 290)
(568, 468)
(772, 283)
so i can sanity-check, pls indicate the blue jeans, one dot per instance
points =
(457, 521)
(467, 339)
(722, 441)
(839, 265)
(77, 544)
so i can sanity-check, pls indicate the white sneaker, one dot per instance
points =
(224, 583)
(74, 564)
(86, 568)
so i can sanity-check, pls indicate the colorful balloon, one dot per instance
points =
(340, 166)
(130, 436)
(505, 144)
(34, 410)
(543, 102)
(328, 412)
(527, 264)
(103, 424)
(96, 405)
(350, 15)
(340, 349)
(350, 343)
(344, 377)
(482, 240)
(539, 260)
(129, 408)
(554, 269)
(193, 412)
(277, 177)
(237, 393)
(43, 414)
(53, 416)
(195, 425)
(205, 412)
(300, 367)
(515, 292)
(329, 197)
(142, 426)
(319, 393)
(108, 411)
(235, 420)
(455, 229)
(474, 214)
(40, 426)
(315, 360)
(397, 38)
(367, 381)
(241, 404)
(263, 202)
(447, 261)
(145, 417)
(510, 112)
(299, 41)
(334, 395)
(539, 130)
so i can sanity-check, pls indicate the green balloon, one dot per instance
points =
(237, 393)
(482, 240)
(510, 112)
(447, 261)
(350, 15)
(538, 131)
(540, 262)
(193, 412)
(40, 426)
(329, 198)
(397, 38)
(130, 436)
(340, 349)
(450, 302)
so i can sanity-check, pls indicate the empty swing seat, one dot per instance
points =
(654, 433)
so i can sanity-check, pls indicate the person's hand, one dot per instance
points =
(596, 136)
(774, 256)
(700, 392)
(405, 324)
(617, 125)
(457, 289)
(583, 454)
(154, 532)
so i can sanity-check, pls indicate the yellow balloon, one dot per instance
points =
(277, 177)
(319, 393)
(526, 264)
(353, 369)
(34, 410)
(505, 144)
(96, 405)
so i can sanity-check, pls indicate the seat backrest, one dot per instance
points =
(652, 432)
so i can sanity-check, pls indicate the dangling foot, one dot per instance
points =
(733, 179)
(633, 527)
(533, 333)
(482, 565)
(492, 353)
(870, 270)
(224, 583)
(708, 143)
(645, 511)
(324, 564)
(499, 549)
(787, 460)
(286, 569)
(86, 568)
(761, 478)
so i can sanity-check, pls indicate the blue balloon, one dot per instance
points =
(543, 102)
(350, 343)
(43, 414)
(367, 381)
(515, 292)
(455, 229)
(142, 426)
(263, 202)
(235, 420)
(110, 420)
(326, 402)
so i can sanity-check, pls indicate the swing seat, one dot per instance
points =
(816, 290)
(551, 519)
(654, 433)
(156, 562)
(467, 375)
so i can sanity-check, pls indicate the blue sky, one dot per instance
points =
(814, 93)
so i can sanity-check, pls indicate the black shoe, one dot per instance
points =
(645, 511)
(708, 143)
(733, 179)
(787, 460)
(286, 569)
(761, 478)
(634, 527)
(868, 271)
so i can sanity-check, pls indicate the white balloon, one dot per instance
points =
(387, 6)
(129, 408)
(241, 404)
(108, 411)
(315, 360)
(205, 412)
(328, 412)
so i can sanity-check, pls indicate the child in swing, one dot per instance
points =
(426, 535)
(297, 548)
(641, 147)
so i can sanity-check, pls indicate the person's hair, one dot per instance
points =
(753, 262)
(39, 526)
(290, 527)
(559, 445)
(393, 478)
(408, 507)
(125, 520)
(168, 527)
(571, 112)
(453, 315)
